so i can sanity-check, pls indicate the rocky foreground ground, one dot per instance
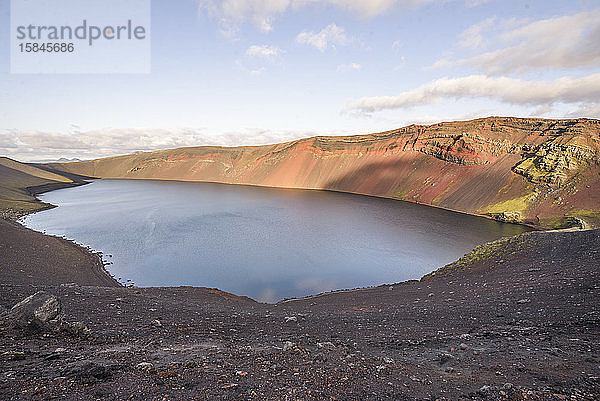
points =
(519, 319)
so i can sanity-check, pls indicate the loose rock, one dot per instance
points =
(39, 311)
(145, 366)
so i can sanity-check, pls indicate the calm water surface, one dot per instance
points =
(265, 243)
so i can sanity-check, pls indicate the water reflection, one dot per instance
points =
(265, 243)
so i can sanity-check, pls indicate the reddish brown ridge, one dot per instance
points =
(536, 171)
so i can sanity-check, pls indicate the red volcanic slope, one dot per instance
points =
(537, 171)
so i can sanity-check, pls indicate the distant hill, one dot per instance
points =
(61, 160)
(65, 160)
(538, 171)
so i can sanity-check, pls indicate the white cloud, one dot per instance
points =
(263, 12)
(508, 90)
(231, 12)
(472, 37)
(349, 67)
(38, 145)
(432, 119)
(256, 57)
(589, 110)
(542, 110)
(254, 70)
(9, 140)
(569, 41)
(372, 8)
(475, 3)
(263, 51)
(330, 36)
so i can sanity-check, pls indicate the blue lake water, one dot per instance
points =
(265, 243)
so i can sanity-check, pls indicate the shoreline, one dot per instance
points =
(34, 191)
(12, 221)
(40, 189)
(96, 270)
(485, 216)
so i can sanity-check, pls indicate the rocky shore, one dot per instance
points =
(521, 321)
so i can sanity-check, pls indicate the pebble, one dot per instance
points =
(156, 323)
(485, 389)
(290, 319)
(147, 366)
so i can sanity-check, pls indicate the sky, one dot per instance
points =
(251, 72)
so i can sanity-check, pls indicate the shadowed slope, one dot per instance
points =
(19, 183)
(543, 172)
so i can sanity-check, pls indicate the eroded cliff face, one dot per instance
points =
(537, 171)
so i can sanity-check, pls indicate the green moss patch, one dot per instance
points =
(480, 254)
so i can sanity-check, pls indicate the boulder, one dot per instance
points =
(38, 311)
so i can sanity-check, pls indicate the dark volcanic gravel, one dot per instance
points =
(30, 257)
(522, 324)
